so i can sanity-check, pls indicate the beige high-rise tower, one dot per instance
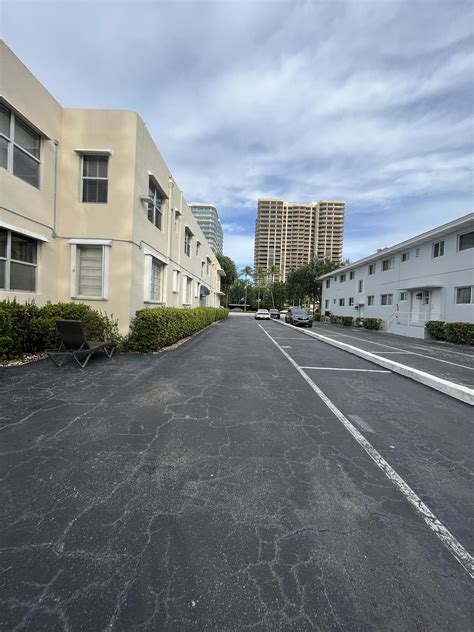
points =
(289, 234)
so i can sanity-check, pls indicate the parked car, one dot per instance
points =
(298, 316)
(274, 313)
(262, 314)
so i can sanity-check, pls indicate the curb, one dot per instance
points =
(457, 391)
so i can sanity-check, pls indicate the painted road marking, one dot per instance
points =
(361, 423)
(450, 542)
(395, 352)
(422, 355)
(327, 368)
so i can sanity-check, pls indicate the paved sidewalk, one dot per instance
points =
(446, 361)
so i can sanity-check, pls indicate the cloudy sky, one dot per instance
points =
(366, 101)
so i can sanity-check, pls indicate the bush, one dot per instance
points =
(317, 316)
(334, 319)
(26, 328)
(158, 327)
(436, 329)
(372, 323)
(346, 320)
(460, 333)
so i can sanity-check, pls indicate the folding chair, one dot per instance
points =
(75, 344)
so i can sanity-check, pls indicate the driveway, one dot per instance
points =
(214, 488)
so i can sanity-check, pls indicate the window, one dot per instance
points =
(18, 261)
(403, 296)
(386, 299)
(334, 301)
(405, 256)
(198, 246)
(342, 302)
(326, 304)
(464, 295)
(438, 249)
(466, 241)
(342, 278)
(175, 281)
(352, 275)
(360, 286)
(417, 252)
(19, 147)
(156, 279)
(351, 301)
(372, 268)
(188, 283)
(95, 178)
(328, 283)
(370, 300)
(187, 242)
(89, 268)
(208, 263)
(155, 213)
(387, 264)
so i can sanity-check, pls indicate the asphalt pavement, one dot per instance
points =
(251, 479)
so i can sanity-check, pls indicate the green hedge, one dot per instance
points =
(372, 323)
(459, 333)
(27, 328)
(158, 327)
(317, 316)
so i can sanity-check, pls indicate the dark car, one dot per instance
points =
(298, 316)
(274, 313)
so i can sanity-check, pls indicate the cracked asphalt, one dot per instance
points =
(210, 488)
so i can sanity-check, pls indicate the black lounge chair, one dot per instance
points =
(75, 344)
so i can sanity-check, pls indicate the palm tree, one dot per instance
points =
(247, 271)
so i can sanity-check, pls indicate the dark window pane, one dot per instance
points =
(27, 138)
(466, 241)
(95, 166)
(94, 191)
(150, 211)
(3, 152)
(23, 248)
(463, 295)
(22, 277)
(25, 167)
(4, 121)
(158, 219)
(3, 242)
(2, 274)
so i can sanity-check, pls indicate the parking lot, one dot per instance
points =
(253, 478)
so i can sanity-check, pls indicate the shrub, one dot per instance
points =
(436, 329)
(346, 320)
(317, 316)
(27, 328)
(372, 323)
(334, 319)
(460, 333)
(158, 327)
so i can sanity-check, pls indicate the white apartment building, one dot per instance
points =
(210, 224)
(427, 277)
(89, 210)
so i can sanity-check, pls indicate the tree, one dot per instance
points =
(304, 283)
(231, 274)
(247, 271)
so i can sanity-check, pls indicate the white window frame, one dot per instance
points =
(370, 300)
(390, 264)
(389, 299)
(405, 254)
(11, 144)
(440, 245)
(90, 154)
(326, 304)
(8, 259)
(403, 296)
(149, 256)
(459, 243)
(463, 287)
(106, 244)
(176, 274)
(328, 283)
(372, 266)
(196, 289)
(342, 278)
(188, 236)
(342, 302)
(156, 201)
(351, 301)
(360, 286)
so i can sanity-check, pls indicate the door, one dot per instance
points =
(426, 307)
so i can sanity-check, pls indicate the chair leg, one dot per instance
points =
(82, 364)
(109, 353)
(56, 362)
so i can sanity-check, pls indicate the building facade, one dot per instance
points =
(427, 277)
(89, 211)
(289, 234)
(210, 224)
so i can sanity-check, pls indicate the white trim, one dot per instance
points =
(153, 253)
(23, 231)
(94, 152)
(91, 242)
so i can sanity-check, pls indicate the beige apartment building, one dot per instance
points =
(89, 211)
(289, 234)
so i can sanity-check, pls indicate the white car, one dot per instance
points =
(262, 314)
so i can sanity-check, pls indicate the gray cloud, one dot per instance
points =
(370, 102)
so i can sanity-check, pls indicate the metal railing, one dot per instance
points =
(408, 319)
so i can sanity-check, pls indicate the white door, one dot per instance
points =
(426, 307)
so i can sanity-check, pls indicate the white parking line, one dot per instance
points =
(394, 352)
(328, 368)
(450, 542)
